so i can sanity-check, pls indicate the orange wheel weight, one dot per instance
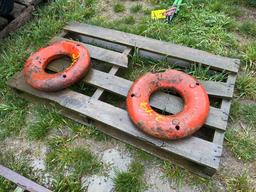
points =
(37, 77)
(182, 124)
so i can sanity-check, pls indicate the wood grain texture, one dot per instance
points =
(97, 94)
(21, 181)
(156, 46)
(192, 148)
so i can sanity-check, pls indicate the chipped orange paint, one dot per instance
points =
(37, 77)
(159, 117)
(182, 124)
(144, 106)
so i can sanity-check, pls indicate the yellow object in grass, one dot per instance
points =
(158, 14)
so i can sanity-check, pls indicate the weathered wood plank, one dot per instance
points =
(192, 148)
(156, 46)
(29, 2)
(21, 181)
(100, 91)
(99, 42)
(225, 107)
(3, 22)
(16, 23)
(17, 9)
(170, 103)
(103, 54)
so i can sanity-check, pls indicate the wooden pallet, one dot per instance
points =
(23, 183)
(21, 13)
(199, 153)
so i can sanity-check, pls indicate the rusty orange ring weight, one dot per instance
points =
(182, 124)
(34, 69)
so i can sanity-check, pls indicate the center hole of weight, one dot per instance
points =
(168, 101)
(58, 64)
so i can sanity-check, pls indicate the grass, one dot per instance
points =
(118, 7)
(241, 143)
(63, 158)
(244, 112)
(246, 84)
(248, 28)
(129, 20)
(241, 137)
(250, 56)
(139, 155)
(67, 184)
(239, 183)
(181, 177)
(174, 173)
(132, 180)
(12, 115)
(136, 8)
(45, 120)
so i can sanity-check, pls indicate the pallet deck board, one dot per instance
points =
(152, 45)
(118, 118)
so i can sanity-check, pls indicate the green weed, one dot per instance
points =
(12, 115)
(244, 112)
(132, 180)
(246, 84)
(239, 183)
(119, 7)
(174, 173)
(139, 154)
(129, 20)
(204, 73)
(225, 7)
(136, 8)
(242, 140)
(67, 184)
(248, 28)
(250, 56)
(63, 157)
(45, 120)
(242, 143)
